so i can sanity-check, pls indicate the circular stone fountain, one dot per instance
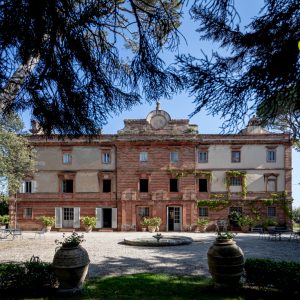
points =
(159, 240)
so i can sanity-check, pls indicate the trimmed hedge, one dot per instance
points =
(29, 278)
(267, 273)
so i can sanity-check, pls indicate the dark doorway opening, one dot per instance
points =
(107, 218)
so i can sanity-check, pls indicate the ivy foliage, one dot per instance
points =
(235, 173)
(177, 173)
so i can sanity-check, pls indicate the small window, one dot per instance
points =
(28, 187)
(174, 185)
(143, 156)
(235, 156)
(144, 185)
(203, 212)
(202, 185)
(174, 157)
(27, 213)
(271, 155)
(67, 186)
(106, 185)
(203, 156)
(235, 181)
(106, 157)
(143, 212)
(271, 211)
(67, 158)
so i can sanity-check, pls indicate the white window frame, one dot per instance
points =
(67, 158)
(27, 215)
(202, 156)
(235, 181)
(143, 156)
(273, 210)
(174, 156)
(106, 157)
(271, 155)
(203, 212)
(236, 156)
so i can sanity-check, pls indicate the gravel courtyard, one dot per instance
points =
(110, 257)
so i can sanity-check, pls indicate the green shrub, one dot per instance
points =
(282, 275)
(47, 221)
(29, 278)
(88, 221)
(4, 219)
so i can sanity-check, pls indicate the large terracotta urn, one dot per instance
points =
(70, 266)
(226, 261)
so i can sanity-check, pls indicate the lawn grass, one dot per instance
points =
(163, 287)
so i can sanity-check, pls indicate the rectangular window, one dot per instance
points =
(271, 211)
(174, 157)
(271, 155)
(67, 186)
(143, 212)
(28, 187)
(106, 157)
(203, 212)
(203, 156)
(67, 158)
(235, 156)
(27, 213)
(174, 185)
(236, 181)
(106, 185)
(202, 185)
(144, 185)
(143, 156)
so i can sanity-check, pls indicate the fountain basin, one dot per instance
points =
(163, 242)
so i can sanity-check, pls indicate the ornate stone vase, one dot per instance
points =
(71, 266)
(226, 262)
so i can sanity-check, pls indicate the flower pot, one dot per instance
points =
(48, 228)
(144, 229)
(200, 228)
(88, 228)
(151, 228)
(245, 228)
(71, 266)
(226, 262)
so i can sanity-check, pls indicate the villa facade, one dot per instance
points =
(156, 166)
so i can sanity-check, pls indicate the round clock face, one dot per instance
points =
(158, 122)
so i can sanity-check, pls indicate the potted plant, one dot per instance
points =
(88, 222)
(4, 221)
(245, 222)
(145, 223)
(47, 221)
(225, 259)
(70, 262)
(270, 224)
(154, 224)
(201, 224)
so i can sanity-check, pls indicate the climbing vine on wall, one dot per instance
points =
(234, 173)
(213, 204)
(281, 200)
(177, 173)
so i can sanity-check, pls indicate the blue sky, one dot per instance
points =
(181, 105)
